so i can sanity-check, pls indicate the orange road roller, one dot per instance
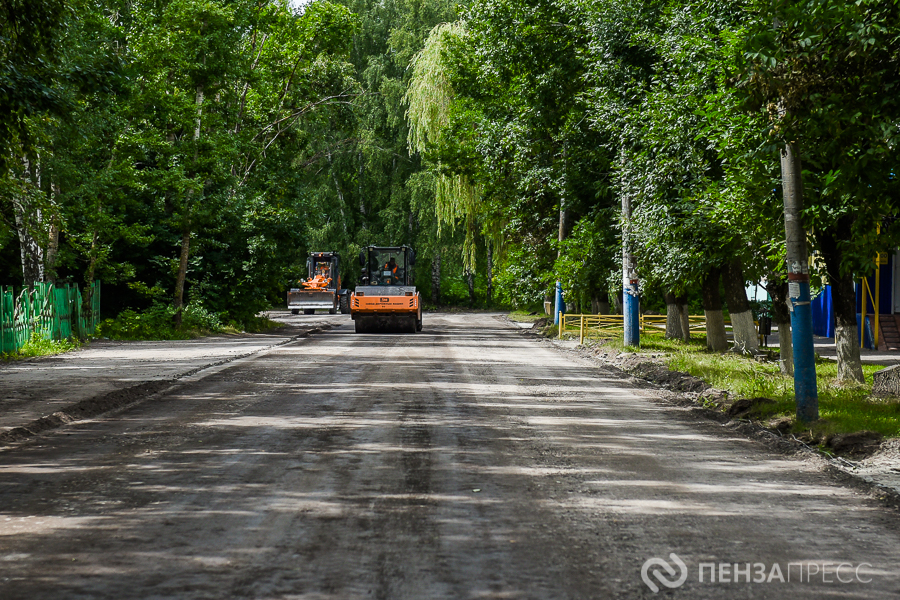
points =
(386, 301)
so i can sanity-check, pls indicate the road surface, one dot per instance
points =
(466, 461)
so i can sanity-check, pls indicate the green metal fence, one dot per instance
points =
(53, 312)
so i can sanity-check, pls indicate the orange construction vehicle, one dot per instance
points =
(386, 301)
(322, 287)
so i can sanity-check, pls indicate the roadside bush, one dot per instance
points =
(157, 323)
(519, 281)
(38, 346)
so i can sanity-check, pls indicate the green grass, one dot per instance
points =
(524, 316)
(255, 325)
(37, 346)
(843, 407)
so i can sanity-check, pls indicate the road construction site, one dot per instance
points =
(469, 460)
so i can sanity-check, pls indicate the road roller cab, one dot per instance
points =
(385, 301)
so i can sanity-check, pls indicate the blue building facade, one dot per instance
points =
(823, 307)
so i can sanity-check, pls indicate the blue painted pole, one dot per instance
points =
(631, 307)
(558, 305)
(806, 393)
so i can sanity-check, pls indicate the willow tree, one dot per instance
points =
(430, 100)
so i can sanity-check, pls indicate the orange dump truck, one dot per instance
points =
(386, 301)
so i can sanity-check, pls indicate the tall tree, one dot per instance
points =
(825, 73)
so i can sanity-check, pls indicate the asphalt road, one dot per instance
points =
(466, 461)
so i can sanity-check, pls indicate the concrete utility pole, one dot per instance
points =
(806, 394)
(631, 309)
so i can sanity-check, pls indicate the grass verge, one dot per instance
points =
(157, 323)
(843, 407)
(257, 325)
(37, 346)
(525, 316)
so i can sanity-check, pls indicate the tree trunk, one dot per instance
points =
(86, 298)
(198, 121)
(243, 102)
(436, 279)
(716, 339)
(563, 228)
(846, 332)
(673, 318)
(843, 295)
(359, 184)
(186, 226)
(29, 221)
(182, 275)
(337, 185)
(618, 301)
(746, 338)
(31, 253)
(490, 273)
(340, 193)
(53, 241)
(470, 282)
(681, 302)
(785, 349)
(52, 250)
(781, 317)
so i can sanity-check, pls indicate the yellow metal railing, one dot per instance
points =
(695, 322)
(597, 323)
(867, 291)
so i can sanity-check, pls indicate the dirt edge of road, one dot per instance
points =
(88, 408)
(688, 392)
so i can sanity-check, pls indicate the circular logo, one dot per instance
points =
(670, 581)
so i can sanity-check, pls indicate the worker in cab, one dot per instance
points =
(391, 266)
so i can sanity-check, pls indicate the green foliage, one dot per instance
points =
(362, 185)
(210, 144)
(192, 132)
(157, 323)
(430, 93)
(587, 256)
(824, 74)
(430, 99)
(40, 346)
(512, 146)
(520, 283)
(30, 67)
